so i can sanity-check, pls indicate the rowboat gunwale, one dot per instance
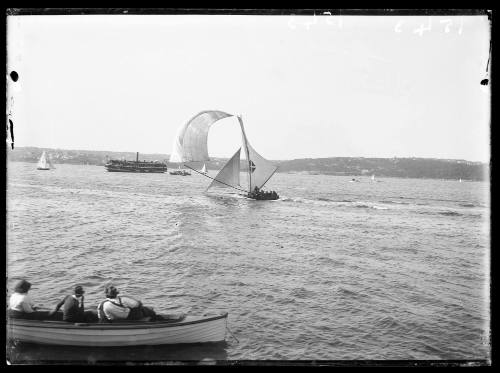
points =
(50, 324)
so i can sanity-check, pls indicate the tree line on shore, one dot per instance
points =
(352, 166)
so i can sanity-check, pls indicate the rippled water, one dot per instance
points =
(396, 269)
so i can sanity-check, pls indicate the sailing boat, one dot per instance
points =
(190, 145)
(204, 169)
(44, 163)
(259, 170)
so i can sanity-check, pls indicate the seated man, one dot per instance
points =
(116, 308)
(74, 309)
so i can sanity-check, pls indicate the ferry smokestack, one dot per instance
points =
(137, 157)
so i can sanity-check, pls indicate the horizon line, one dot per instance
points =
(290, 159)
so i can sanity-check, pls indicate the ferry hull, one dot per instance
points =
(149, 170)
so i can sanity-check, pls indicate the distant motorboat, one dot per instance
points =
(180, 172)
(354, 181)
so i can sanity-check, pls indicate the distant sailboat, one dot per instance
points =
(204, 169)
(373, 177)
(460, 180)
(44, 163)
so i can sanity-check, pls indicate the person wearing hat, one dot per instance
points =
(73, 307)
(116, 308)
(20, 303)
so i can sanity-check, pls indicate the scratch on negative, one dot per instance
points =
(12, 133)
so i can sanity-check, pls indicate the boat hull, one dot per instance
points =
(193, 329)
(137, 170)
(263, 197)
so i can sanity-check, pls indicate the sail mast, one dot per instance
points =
(245, 146)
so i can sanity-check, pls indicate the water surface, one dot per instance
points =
(396, 269)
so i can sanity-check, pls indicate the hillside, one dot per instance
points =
(381, 167)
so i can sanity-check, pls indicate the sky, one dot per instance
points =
(306, 86)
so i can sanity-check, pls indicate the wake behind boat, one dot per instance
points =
(190, 145)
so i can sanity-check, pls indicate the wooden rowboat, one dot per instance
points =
(191, 329)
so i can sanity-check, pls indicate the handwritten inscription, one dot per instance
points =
(446, 25)
(299, 21)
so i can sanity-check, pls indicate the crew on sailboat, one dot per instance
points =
(263, 195)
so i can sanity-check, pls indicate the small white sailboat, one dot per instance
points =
(373, 177)
(44, 163)
(204, 169)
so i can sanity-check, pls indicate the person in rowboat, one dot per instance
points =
(116, 308)
(20, 303)
(74, 309)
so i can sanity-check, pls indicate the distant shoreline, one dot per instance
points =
(166, 156)
(309, 173)
(416, 168)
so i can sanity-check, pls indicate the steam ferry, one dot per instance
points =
(115, 165)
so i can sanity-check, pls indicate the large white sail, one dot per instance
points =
(190, 143)
(229, 175)
(261, 169)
